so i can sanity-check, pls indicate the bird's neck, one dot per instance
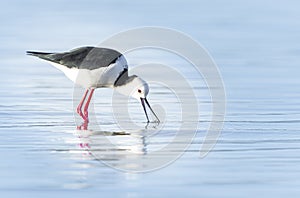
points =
(122, 78)
(125, 84)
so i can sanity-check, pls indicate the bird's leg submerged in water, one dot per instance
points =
(83, 126)
(85, 114)
(86, 107)
(79, 107)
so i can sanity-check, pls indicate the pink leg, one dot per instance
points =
(83, 126)
(81, 104)
(86, 107)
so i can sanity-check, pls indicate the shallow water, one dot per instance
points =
(254, 44)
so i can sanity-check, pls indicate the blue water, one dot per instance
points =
(256, 47)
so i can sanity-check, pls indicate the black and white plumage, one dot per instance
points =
(89, 67)
(94, 67)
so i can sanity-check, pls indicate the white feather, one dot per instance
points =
(101, 77)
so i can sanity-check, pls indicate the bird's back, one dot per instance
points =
(81, 58)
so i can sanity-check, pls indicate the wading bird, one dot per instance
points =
(94, 67)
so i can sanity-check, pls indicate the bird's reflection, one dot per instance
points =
(115, 148)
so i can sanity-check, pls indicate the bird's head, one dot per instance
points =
(137, 88)
(133, 86)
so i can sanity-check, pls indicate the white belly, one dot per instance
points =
(101, 77)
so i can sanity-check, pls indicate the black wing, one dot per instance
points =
(81, 58)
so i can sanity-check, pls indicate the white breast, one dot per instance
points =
(101, 77)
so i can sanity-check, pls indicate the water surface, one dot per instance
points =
(255, 45)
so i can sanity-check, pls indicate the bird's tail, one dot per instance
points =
(38, 54)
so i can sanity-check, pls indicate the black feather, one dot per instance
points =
(81, 58)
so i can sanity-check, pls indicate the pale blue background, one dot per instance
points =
(254, 43)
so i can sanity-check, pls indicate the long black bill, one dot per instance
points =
(143, 100)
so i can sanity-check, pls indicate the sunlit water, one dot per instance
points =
(256, 48)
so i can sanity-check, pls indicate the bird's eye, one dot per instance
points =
(140, 91)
